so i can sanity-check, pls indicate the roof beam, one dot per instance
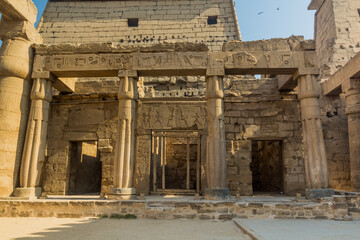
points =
(351, 70)
(24, 10)
(286, 82)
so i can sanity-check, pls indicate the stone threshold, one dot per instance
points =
(337, 208)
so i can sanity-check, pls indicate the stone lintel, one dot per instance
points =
(350, 70)
(19, 29)
(293, 43)
(174, 63)
(23, 10)
(97, 48)
(63, 85)
(286, 82)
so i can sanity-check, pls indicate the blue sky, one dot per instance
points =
(279, 18)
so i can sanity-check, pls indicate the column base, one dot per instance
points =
(29, 193)
(122, 193)
(217, 194)
(319, 193)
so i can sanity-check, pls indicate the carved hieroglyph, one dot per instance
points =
(125, 149)
(172, 116)
(317, 175)
(34, 147)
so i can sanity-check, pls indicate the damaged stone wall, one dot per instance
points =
(337, 34)
(79, 118)
(337, 37)
(256, 110)
(159, 21)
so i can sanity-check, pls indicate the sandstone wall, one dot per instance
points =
(255, 110)
(159, 21)
(337, 36)
(79, 120)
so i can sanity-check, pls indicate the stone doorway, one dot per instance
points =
(84, 169)
(267, 167)
(176, 162)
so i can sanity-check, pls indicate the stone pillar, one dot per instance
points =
(216, 165)
(316, 167)
(351, 87)
(33, 154)
(125, 146)
(16, 59)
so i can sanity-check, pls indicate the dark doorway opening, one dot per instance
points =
(176, 162)
(84, 169)
(267, 167)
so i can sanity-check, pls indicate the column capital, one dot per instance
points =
(302, 72)
(214, 87)
(23, 10)
(351, 84)
(41, 90)
(128, 73)
(127, 88)
(351, 87)
(308, 87)
(19, 30)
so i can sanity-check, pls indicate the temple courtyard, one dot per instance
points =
(240, 229)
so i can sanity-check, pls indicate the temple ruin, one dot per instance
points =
(125, 99)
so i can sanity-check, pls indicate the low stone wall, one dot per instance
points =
(337, 208)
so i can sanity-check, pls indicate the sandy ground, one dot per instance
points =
(57, 229)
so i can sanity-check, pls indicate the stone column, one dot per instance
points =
(125, 146)
(351, 87)
(316, 167)
(33, 154)
(16, 59)
(216, 165)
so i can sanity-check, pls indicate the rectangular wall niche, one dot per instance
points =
(267, 167)
(84, 172)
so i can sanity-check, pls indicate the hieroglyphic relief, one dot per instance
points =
(171, 116)
(136, 61)
(170, 60)
(244, 59)
(89, 61)
(279, 59)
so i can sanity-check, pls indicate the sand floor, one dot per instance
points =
(85, 228)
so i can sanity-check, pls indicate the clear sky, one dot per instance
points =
(263, 19)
